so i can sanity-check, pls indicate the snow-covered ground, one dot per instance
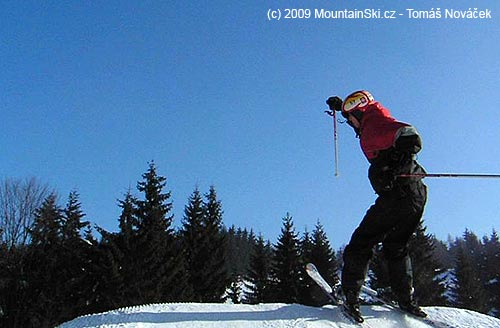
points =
(195, 315)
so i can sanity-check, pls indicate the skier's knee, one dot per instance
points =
(394, 251)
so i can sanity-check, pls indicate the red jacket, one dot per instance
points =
(378, 130)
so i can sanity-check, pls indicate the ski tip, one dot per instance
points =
(310, 266)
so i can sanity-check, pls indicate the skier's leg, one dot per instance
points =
(395, 245)
(356, 258)
(400, 270)
(372, 230)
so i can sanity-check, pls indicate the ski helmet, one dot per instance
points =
(356, 101)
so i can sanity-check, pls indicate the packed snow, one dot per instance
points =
(204, 315)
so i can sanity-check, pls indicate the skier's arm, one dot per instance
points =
(396, 160)
(408, 140)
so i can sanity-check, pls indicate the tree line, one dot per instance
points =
(53, 268)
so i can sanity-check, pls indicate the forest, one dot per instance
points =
(55, 265)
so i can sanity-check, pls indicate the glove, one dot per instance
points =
(386, 180)
(335, 103)
(381, 179)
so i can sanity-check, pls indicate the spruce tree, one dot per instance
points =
(112, 274)
(468, 288)
(316, 249)
(127, 222)
(306, 247)
(239, 248)
(215, 263)
(429, 289)
(308, 289)
(323, 255)
(259, 274)
(194, 245)
(159, 261)
(117, 260)
(73, 225)
(287, 269)
(15, 295)
(234, 292)
(44, 275)
(74, 260)
(124, 251)
(5, 278)
(492, 272)
(378, 274)
(46, 229)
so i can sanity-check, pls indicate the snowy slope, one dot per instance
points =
(195, 315)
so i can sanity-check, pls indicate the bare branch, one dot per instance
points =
(19, 199)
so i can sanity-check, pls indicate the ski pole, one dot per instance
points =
(448, 175)
(335, 142)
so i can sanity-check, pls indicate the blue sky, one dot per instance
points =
(215, 93)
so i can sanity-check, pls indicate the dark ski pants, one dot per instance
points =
(391, 220)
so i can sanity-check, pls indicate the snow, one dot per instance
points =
(275, 315)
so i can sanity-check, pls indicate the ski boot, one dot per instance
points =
(412, 308)
(352, 310)
(351, 306)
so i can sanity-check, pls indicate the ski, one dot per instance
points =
(333, 295)
(393, 306)
(313, 272)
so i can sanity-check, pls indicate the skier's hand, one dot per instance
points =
(335, 103)
(381, 178)
(387, 179)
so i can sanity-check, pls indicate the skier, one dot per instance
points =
(390, 147)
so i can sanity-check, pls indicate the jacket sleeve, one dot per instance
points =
(396, 160)
(407, 140)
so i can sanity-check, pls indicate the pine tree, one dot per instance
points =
(234, 293)
(468, 288)
(74, 260)
(159, 261)
(15, 297)
(46, 229)
(259, 274)
(5, 278)
(475, 249)
(43, 265)
(128, 219)
(117, 260)
(308, 289)
(429, 289)
(194, 244)
(215, 243)
(378, 274)
(287, 270)
(316, 249)
(323, 255)
(306, 247)
(73, 225)
(492, 272)
(239, 249)
(112, 290)
(205, 247)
